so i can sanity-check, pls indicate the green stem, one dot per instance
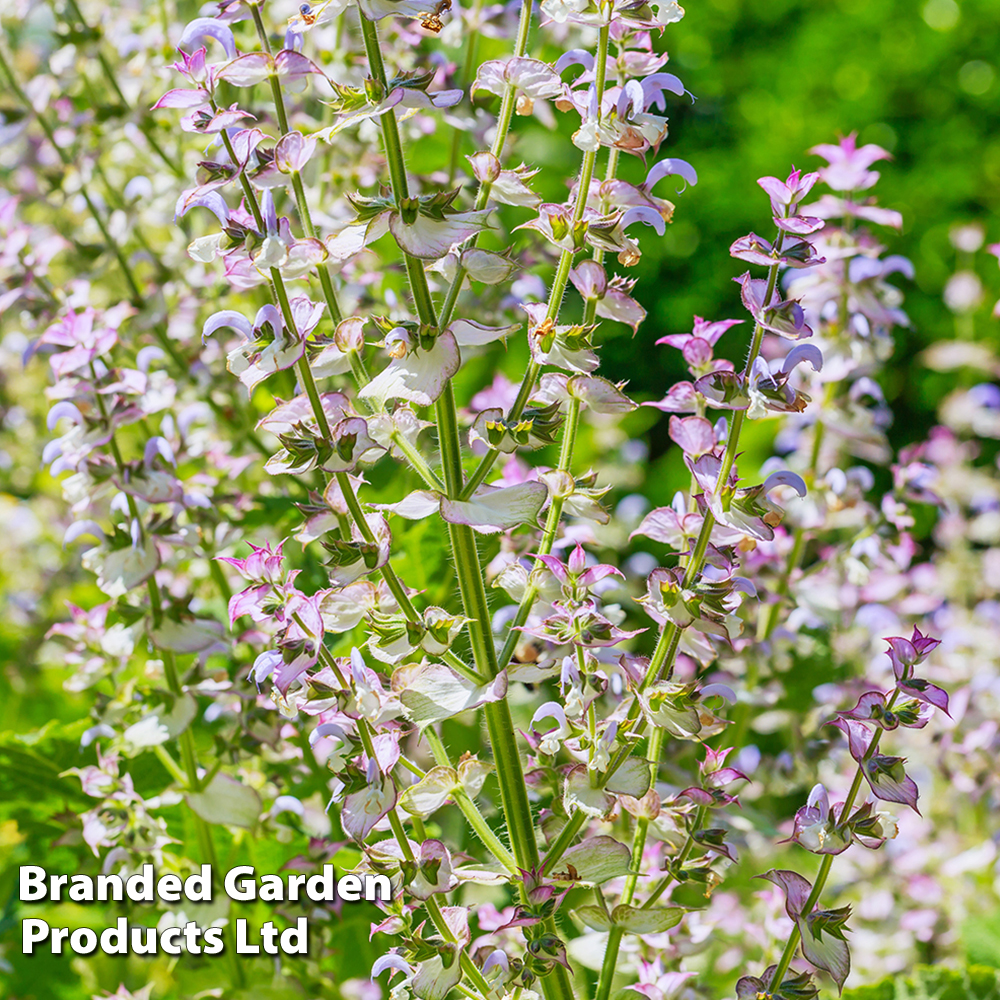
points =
(449, 442)
(565, 265)
(566, 836)
(503, 738)
(481, 472)
(309, 384)
(662, 661)
(572, 424)
(249, 195)
(610, 963)
(510, 774)
(393, 146)
(548, 535)
(469, 808)
(417, 461)
(388, 574)
(788, 953)
(504, 119)
(615, 935)
(520, 402)
(682, 856)
(408, 764)
(265, 44)
(308, 381)
(171, 765)
(396, 824)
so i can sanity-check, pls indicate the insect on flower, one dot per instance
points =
(432, 20)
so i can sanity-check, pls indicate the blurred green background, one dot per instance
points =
(920, 77)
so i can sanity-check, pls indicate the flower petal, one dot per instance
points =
(491, 510)
(419, 377)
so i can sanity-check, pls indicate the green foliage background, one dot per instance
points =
(772, 78)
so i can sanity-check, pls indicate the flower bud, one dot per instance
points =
(485, 167)
(293, 151)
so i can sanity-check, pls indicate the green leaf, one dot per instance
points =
(430, 792)
(434, 980)
(653, 921)
(594, 917)
(578, 793)
(227, 802)
(597, 860)
(632, 778)
(981, 940)
(631, 918)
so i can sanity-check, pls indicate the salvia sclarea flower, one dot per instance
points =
(357, 294)
(830, 829)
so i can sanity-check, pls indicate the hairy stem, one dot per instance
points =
(503, 739)
(662, 661)
(615, 935)
(430, 904)
(788, 953)
(469, 808)
(301, 202)
(496, 149)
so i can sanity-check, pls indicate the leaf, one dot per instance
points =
(974, 982)
(486, 266)
(470, 333)
(414, 506)
(482, 874)
(632, 919)
(419, 377)
(429, 238)
(162, 725)
(653, 921)
(121, 570)
(795, 887)
(247, 70)
(432, 692)
(472, 773)
(191, 636)
(578, 793)
(491, 510)
(826, 951)
(632, 778)
(226, 801)
(598, 860)
(434, 874)
(594, 917)
(433, 981)
(599, 394)
(430, 792)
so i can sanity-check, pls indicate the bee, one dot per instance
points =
(432, 21)
(307, 15)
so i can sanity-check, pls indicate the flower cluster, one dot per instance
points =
(326, 527)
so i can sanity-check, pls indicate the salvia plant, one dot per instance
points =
(306, 419)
